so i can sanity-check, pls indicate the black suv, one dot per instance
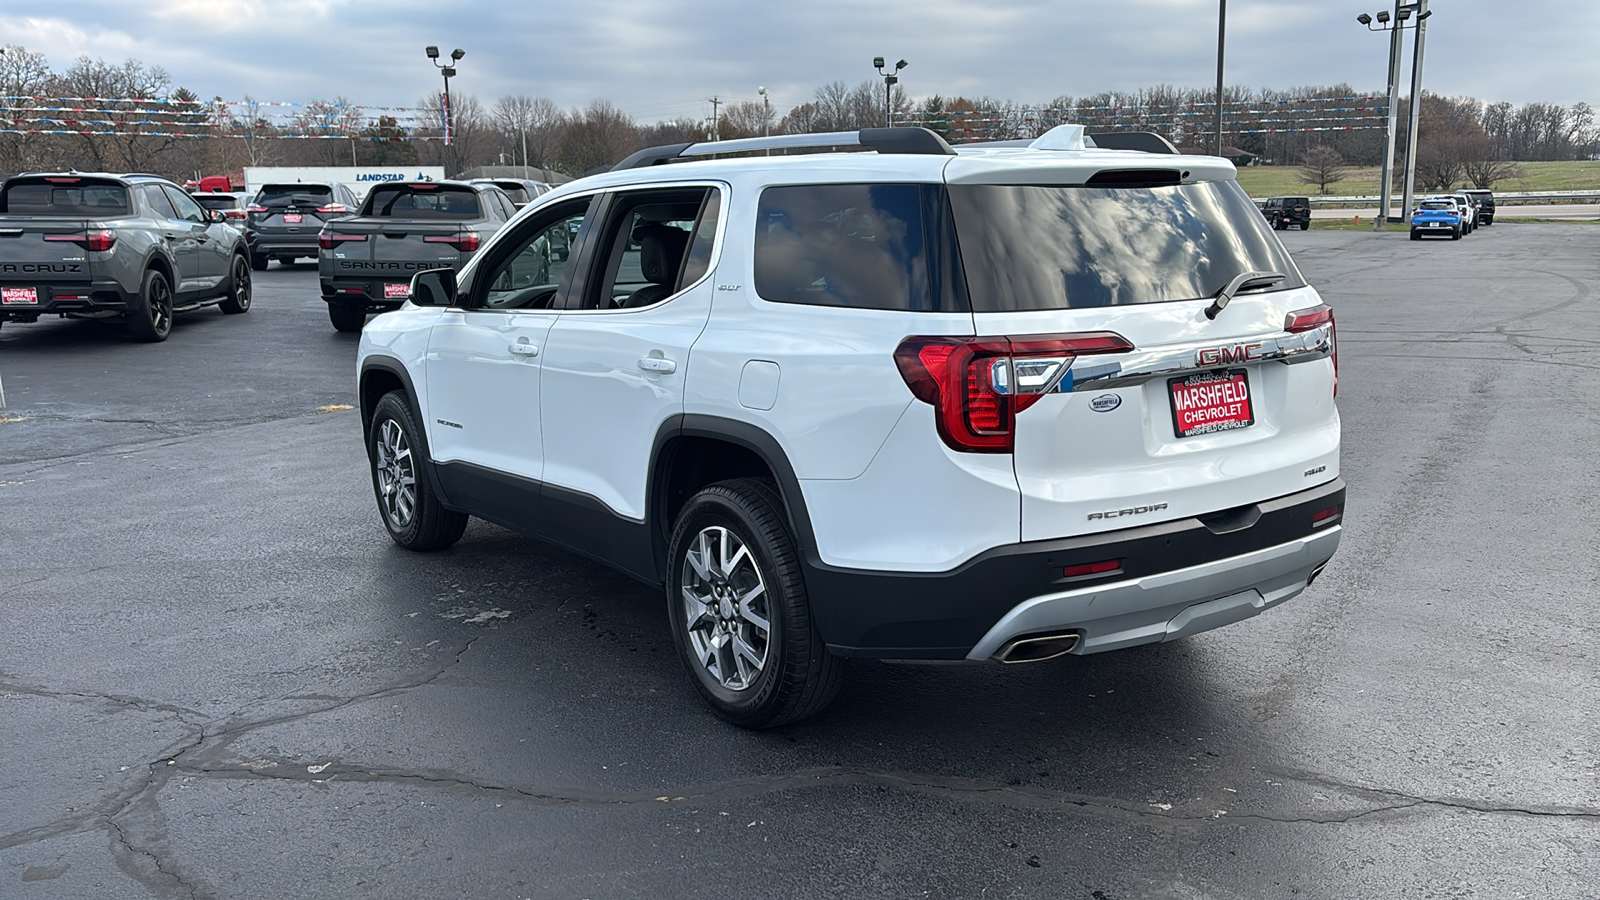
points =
(284, 219)
(1485, 201)
(1284, 212)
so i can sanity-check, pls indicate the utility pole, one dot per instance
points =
(1222, 33)
(715, 131)
(1416, 104)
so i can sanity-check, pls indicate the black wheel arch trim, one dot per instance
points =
(743, 434)
(392, 366)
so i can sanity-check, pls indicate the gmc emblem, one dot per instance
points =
(1223, 356)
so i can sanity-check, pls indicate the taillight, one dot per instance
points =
(1302, 320)
(1324, 516)
(233, 213)
(464, 242)
(333, 208)
(256, 208)
(94, 240)
(977, 386)
(328, 241)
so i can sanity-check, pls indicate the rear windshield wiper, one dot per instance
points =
(1240, 282)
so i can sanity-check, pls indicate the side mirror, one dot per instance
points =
(215, 216)
(435, 287)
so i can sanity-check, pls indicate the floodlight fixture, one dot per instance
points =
(877, 62)
(457, 53)
(1383, 17)
(1364, 19)
(432, 51)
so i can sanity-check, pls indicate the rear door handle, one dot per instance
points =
(525, 349)
(172, 237)
(657, 364)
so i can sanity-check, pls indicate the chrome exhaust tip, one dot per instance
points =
(1038, 648)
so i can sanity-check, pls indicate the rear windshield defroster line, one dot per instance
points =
(1069, 247)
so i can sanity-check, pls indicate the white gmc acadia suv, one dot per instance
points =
(998, 402)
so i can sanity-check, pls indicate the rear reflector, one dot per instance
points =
(1323, 517)
(977, 386)
(1103, 567)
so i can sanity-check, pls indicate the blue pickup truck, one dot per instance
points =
(1436, 217)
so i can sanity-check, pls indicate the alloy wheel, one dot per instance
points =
(397, 475)
(726, 608)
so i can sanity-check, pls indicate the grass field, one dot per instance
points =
(1274, 181)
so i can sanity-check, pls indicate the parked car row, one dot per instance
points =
(1455, 215)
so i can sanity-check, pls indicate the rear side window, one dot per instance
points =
(1069, 247)
(217, 201)
(282, 195)
(424, 201)
(861, 246)
(66, 197)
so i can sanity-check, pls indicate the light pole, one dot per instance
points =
(766, 112)
(1402, 12)
(448, 71)
(890, 79)
(1222, 33)
(1416, 102)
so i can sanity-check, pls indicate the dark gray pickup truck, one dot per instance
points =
(366, 261)
(93, 246)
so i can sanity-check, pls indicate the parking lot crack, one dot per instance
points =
(164, 880)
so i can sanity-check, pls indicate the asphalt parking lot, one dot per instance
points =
(219, 679)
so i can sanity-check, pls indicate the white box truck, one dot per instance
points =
(358, 179)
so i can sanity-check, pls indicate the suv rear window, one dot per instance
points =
(275, 195)
(65, 197)
(423, 201)
(216, 201)
(517, 192)
(862, 246)
(1438, 204)
(1069, 247)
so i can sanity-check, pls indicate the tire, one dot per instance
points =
(347, 318)
(239, 288)
(258, 262)
(152, 321)
(411, 512)
(1416, 235)
(742, 521)
(1306, 225)
(1455, 233)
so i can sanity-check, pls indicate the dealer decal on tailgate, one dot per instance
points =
(1211, 402)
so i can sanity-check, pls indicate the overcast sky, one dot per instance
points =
(663, 58)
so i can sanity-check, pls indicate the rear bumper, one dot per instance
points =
(60, 299)
(1175, 579)
(300, 244)
(364, 290)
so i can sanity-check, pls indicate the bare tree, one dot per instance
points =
(1321, 165)
(1485, 173)
(23, 75)
(599, 135)
(472, 138)
(532, 126)
(130, 103)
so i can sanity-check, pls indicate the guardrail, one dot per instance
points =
(1524, 198)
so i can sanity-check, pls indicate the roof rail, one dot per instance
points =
(1144, 141)
(883, 140)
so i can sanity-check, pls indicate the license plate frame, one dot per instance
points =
(393, 291)
(293, 218)
(1226, 420)
(19, 296)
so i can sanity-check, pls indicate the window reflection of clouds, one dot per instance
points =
(858, 246)
(1061, 247)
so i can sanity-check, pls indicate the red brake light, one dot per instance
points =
(464, 242)
(256, 208)
(1095, 568)
(233, 213)
(63, 180)
(94, 240)
(1302, 320)
(328, 241)
(977, 387)
(333, 208)
(423, 187)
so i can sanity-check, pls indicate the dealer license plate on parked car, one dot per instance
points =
(292, 218)
(396, 290)
(15, 296)
(1211, 402)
